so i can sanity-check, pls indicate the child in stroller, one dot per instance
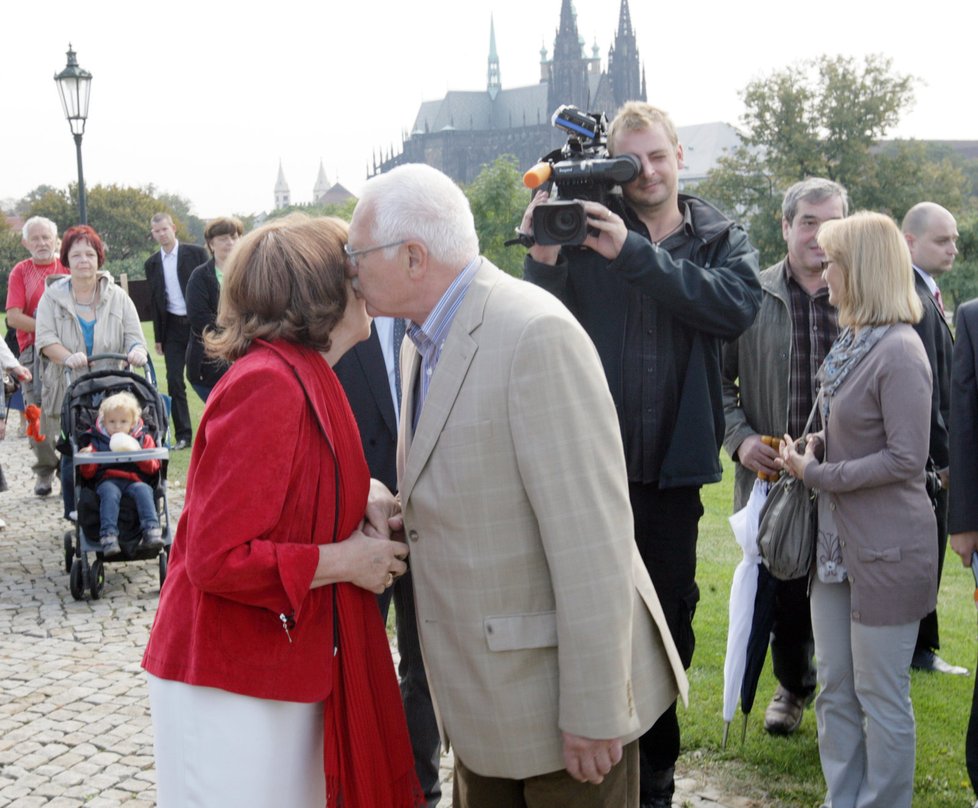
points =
(119, 427)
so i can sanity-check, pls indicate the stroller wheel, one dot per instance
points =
(69, 550)
(97, 579)
(75, 583)
(163, 557)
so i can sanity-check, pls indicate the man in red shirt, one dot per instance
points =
(25, 286)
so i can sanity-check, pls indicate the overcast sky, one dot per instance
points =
(203, 98)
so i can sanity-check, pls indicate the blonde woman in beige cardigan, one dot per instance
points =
(875, 571)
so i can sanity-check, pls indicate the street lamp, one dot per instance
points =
(74, 85)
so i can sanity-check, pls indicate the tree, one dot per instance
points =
(498, 199)
(11, 252)
(121, 216)
(961, 283)
(825, 117)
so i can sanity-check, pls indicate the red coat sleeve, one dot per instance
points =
(251, 456)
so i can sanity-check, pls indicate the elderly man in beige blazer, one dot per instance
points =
(547, 651)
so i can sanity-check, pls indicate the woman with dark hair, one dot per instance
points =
(202, 296)
(270, 676)
(78, 316)
(875, 571)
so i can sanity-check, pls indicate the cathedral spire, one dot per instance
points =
(282, 196)
(494, 83)
(322, 183)
(627, 82)
(568, 70)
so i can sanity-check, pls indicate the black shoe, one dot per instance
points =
(180, 445)
(658, 788)
(926, 660)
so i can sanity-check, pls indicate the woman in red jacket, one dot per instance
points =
(268, 655)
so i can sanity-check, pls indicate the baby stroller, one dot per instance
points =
(78, 414)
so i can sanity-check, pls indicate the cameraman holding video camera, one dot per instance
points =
(660, 281)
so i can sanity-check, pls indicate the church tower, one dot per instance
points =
(493, 85)
(282, 197)
(322, 184)
(568, 68)
(627, 82)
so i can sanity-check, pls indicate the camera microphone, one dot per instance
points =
(537, 175)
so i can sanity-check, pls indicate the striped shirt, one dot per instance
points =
(429, 337)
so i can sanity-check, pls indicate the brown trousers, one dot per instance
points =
(553, 790)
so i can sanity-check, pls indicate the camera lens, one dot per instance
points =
(560, 222)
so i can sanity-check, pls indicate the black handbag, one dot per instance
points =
(789, 523)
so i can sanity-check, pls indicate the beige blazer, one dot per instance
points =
(535, 611)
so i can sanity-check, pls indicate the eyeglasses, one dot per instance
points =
(353, 256)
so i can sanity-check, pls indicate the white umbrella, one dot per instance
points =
(743, 590)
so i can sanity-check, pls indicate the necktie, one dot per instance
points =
(399, 327)
(940, 302)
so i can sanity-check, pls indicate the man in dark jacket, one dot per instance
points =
(168, 271)
(662, 281)
(932, 234)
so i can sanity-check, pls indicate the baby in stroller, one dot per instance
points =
(120, 426)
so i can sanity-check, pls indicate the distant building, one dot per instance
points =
(323, 193)
(465, 130)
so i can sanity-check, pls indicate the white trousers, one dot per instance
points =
(866, 731)
(214, 748)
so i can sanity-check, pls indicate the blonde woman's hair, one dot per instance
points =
(878, 274)
(285, 280)
(124, 401)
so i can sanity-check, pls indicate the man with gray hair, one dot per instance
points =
(547, 651)
(932, 234)
(769, 390)
(25, 286)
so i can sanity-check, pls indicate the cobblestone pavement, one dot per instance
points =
(74, 715)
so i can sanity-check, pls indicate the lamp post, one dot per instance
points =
(74, 85)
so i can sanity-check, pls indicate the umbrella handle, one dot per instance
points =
(743, 731)
(726, 732)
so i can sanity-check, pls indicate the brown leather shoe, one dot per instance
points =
(783, 715)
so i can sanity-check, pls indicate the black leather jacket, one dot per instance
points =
(701, 288)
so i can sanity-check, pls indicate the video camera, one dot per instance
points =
(581, 169)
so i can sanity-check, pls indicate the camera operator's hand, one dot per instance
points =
(542, 254)
(611, 227)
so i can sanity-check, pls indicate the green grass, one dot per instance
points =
(784, 771)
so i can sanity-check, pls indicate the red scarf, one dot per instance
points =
(368, 758)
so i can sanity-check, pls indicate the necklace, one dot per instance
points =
(89, 304)
(657, 242)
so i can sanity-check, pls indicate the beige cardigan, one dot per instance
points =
(876, 441)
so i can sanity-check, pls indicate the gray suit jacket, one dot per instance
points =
(535, 611)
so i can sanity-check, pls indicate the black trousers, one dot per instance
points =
(792, 643)
(666, 529)
(928, 636)
(175, 356)
(415, 696)
(971, 740)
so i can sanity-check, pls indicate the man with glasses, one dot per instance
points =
(25, 286)
(546, 649)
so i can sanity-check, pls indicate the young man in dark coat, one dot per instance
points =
(661, 282)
